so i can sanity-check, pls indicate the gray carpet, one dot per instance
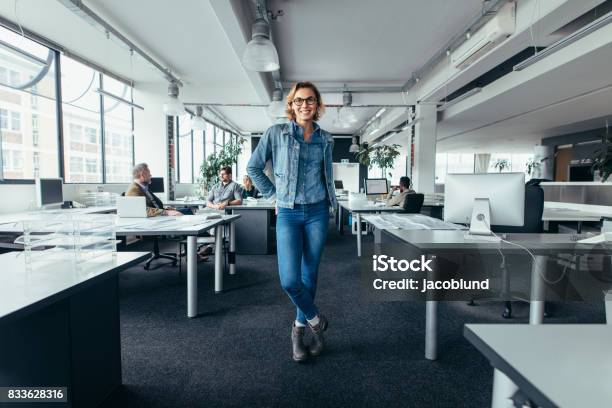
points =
(237, 353)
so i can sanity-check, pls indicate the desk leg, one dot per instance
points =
(431, 330)
(358, 217)
(608, 301)
(503, 390)
(219, 259)
(232, 249)
(579, 228)
(192, 276)
(340, 222)
(538, 290)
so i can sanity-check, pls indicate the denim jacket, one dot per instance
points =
(279, 145)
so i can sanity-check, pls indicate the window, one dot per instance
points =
(118, 131)
(76, 165)
(91, 166)
(449, 163)
(209, 144)
(27, 150)
(91, 135)
(198, 154)
(185, 150)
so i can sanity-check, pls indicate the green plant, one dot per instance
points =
(381, 156)
(533, 164)
(227, 156)
(602, 157)
(501, 165)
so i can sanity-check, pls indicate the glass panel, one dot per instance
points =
(198, 153)
(210, 132)
(184, 150)
(118, 141)
(28, 116)
(82, 133)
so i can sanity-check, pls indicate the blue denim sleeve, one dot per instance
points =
(257, 163)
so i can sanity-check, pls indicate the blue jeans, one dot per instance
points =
(300, 237)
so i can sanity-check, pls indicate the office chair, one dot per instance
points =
(413, 203)
(532, 223)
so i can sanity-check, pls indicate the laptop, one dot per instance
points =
(131, 207)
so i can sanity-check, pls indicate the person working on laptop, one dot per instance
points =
(140, 188)
(226, 192)
(404, 190)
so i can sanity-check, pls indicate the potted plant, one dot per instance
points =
(381, 156)
(533, 165)
(227, 156)
(501, 165)
(602, 157)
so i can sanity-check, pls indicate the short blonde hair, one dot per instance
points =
(291, 95)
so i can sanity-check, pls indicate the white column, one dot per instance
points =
(423, 176)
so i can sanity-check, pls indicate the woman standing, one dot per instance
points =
(301, 156)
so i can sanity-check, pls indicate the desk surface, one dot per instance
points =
(566, 214)
(258, 205)
(188, 203)
(24, 216)
(185, 225)
(353, 206)
(23, 291)
(440, 241)
(409, 222)
(567, 365)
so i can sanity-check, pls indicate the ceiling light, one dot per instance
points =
(260, 54)
(197, 122)
(173, 106)
(354, 146)
(276, 109)
(346, 113)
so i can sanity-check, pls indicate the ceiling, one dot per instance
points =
(357, 43)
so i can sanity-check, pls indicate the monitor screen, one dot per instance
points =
(338, 184)
(376, 186)
(50, 191)
(157, 185)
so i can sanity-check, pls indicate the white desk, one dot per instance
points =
(24, 216)
(358, 209)
(190, 226)
(183, 203)
(60, 324)
(439, 242)
(566, 365)
(569, 215)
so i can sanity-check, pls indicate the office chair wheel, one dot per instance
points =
(147, 266)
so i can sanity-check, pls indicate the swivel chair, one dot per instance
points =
(413, 203)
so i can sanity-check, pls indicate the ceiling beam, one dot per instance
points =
(235, 19)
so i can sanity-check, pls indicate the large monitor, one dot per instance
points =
(376, 186)
(338, 184)
(482, 200)
(49, 192)
(157, 185)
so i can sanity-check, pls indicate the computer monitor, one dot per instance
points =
(376, 186)
(482, 200)
(157, 185)
(338, 184)
(49, 192)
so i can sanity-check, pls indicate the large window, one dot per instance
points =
(193, 148)
(97, 133)
(28, 119)
(449, 163)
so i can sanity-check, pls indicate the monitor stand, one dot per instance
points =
(480, 225)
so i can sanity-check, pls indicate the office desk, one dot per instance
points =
(190, 226)
(183, 203)
(24, 216)
(439, 242)
(552, 214)
(358, 209)
(567, 365)
(255, 229)
(60, 325)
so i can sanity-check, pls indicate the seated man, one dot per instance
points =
(404, 188)
(248, 189)
(226, 192)
(140, 188)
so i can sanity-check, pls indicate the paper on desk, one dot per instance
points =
(379, 222)
(410, 222)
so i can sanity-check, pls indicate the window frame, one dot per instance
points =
(61, 148)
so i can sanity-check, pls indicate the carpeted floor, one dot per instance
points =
(238, 353)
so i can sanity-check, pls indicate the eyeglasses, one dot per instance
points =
(311, 100)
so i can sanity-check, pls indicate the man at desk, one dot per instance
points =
(226, 192)
(404, 190)
(140, 188)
